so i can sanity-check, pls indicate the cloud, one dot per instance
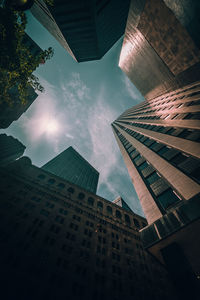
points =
(132, 90)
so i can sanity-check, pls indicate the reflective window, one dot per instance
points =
(109, 210)
(91, 201)
(118, 214)
(100, 205)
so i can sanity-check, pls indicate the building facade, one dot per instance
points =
(70, 243)
(161, 47)
(11, 149)
(86, 29)
(159, 140)
(70, 165)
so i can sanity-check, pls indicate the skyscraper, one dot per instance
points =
(119, 201)
(161, 47)
(11, 149)
(69, 243)
(70, 165)
(86, 29)
(159, 140)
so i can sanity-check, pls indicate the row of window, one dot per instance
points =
(99, 204)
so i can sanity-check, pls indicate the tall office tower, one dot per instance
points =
(160, 50)
(70, 165)
(10, 112)
(11, 149)
(119, 201)
(159, 140)
(69, 243)
(86, 29)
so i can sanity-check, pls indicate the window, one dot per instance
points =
(44, 212)
(63, 211)
(137, 224)
(50, 205)
(143, 166)
(81, 196)
(100, 204)
(61, 185)
(88, 232)
(109, 210)
(77, 218)
(70, 190)
(118, 214)
(54, 228)
(152, 178)
(91, 201)
(59, 219)
(127, 219)
(167, 198)
(51, 181)
(73, 226)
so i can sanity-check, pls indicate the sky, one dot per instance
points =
(80, 102)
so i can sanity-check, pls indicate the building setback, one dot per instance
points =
(70, 243)
(160, 50)
(159, 140)
(11, 149)
(70, 165)
(86, 29)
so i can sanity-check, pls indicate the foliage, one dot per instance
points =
(17, 62)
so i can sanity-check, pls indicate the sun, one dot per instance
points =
(51, 126)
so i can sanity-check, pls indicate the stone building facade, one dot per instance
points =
(59, 241)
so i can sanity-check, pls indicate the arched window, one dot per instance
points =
(91, 201)
(81, 196)
(144, 224)
(41, 176)
(109, 210)
(100, 204)
(127, 219)
(137, 224)
(51, 181)
(118, 214)
(70, 190)
(61, 185)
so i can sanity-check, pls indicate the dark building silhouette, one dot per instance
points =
(86, 29)
(159, 140)
(70, 165)
(11, 149)
(160, 51)
(59, 241)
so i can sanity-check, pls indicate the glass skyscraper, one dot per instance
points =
(71, 166)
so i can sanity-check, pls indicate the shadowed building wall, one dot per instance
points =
(70, 243)
(71, 166)
(86, 29)
(160, 51)
(11, 149)
(159, 140)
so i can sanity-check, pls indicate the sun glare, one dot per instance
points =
(51, 126)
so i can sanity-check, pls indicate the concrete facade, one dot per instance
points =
(159, 140)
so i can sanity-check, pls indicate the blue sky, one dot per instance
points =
(80, 102)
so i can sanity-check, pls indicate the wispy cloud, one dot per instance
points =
(131, 89)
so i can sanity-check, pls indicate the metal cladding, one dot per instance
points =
(159, 54)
